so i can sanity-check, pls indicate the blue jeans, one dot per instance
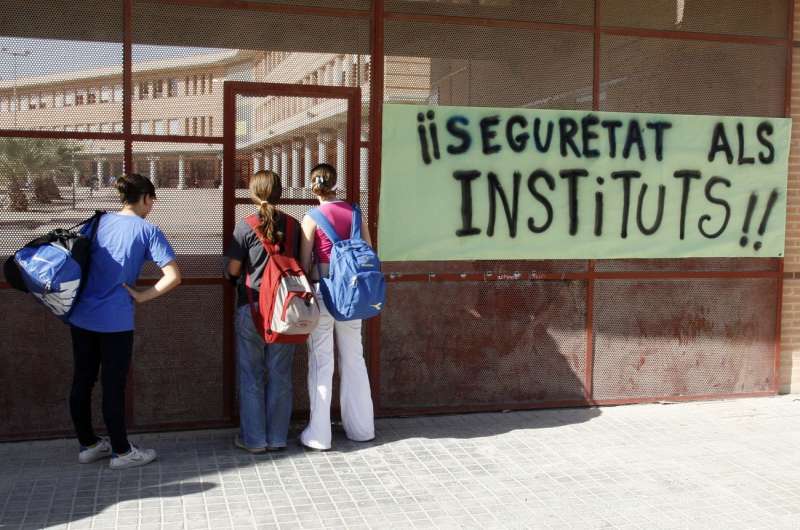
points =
(265, 385)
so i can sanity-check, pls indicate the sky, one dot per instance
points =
(58, 56)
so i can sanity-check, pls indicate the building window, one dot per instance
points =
(186, 86)
(3, 104)
(42, 102)
(194, 126)
(144, 90)
(203, 126)
(174, 126)
(210, 83)
(202, 84)
(144, 126)
(172, 88)
(106, 94)
(101, 127)
(59, 101)
(91, 98)
(23, 103)
(69, 99)
(194, 85)
(160, 127)
(116, 94)
(211, 125)
(186, 127)
(158, 88)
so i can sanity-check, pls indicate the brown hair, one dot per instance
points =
(323, 179)
(265, 190)
(133, 187)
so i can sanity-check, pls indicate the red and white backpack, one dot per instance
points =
(287, 309)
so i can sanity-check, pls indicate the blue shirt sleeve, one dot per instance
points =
(158, 248)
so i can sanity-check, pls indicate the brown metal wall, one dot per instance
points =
(455, 335)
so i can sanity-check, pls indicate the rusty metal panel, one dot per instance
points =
(468, 344)
(683, 337)
(691, 77)
(35, 375)
(177, 360)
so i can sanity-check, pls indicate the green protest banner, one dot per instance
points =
(466, 183)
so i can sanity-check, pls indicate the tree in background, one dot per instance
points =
(35, 161)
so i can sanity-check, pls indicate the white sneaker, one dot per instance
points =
(133, 458)
(101, 449)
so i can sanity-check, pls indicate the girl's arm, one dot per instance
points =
(170, 279)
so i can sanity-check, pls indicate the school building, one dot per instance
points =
(199, 94)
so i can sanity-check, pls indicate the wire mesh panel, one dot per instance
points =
(178, 72)
(61, 66)
(177, 376)
(467, 344)
(290, 135)
(485, 66)
(558, 11)
(188, 209)
(683, 337)
(691, 77)
(48, 183)
(765, 18)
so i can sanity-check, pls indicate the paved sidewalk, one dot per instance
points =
(731, 464)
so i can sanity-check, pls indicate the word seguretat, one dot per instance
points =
(489, 183)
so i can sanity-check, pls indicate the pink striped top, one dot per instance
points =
(340, 215)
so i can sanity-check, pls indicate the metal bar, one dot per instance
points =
(255, 89)
(588, 384)
(574, 276)
(270, 8)
(228, 219)
(309, 202)
(177, 139)
(424, 277)
(354, 144)
(487, 22)
(778, 323)
(788, 113)
(210, 280)
(596, 58)
(689, 35)
(127, 154)
(69, 135)
(374, 180)
(127, 83)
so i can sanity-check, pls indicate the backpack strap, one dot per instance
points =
(324, 224)
(355, 227)
(255, 222)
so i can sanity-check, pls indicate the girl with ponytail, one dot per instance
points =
(264, 370)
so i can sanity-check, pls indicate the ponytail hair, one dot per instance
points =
(133, 187)
(265, 191)
(323, 180)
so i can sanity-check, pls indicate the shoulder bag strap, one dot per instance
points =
(324, 224)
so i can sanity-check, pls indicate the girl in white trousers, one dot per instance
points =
(355, 399)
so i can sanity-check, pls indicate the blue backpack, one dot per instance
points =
(355, 288)
(54, 267)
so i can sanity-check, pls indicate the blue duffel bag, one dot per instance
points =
(54, 268)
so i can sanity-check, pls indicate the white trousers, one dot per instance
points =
(355, 398)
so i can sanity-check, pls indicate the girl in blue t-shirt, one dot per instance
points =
(102, 321)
